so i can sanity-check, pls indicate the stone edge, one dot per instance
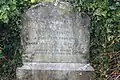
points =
(56, 66)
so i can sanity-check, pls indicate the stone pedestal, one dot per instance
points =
(55, 71)
(55, 44)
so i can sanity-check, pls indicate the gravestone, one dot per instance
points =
(56, 44)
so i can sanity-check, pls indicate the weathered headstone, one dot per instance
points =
(56, 44)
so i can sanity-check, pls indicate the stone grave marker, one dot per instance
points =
(56, 44)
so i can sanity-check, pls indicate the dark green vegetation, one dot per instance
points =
(105, 32)
(104, 29)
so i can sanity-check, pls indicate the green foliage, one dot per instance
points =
(36, 1)
(10, 20)
(9, 8)
(104, 30)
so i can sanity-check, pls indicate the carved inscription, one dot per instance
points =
(56, 38)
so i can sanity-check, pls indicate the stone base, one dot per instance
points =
(55, 71)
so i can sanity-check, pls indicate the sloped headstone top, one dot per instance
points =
(55, 34)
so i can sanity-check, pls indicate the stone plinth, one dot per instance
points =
(55, 71)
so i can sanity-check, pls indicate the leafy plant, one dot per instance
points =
(104, 30)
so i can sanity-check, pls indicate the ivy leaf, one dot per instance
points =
(14, 2)
(33, 1)
(112, 7)
(104, 13)
(5, 17)
(100, 12)
(13, 7)
(110, 38)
